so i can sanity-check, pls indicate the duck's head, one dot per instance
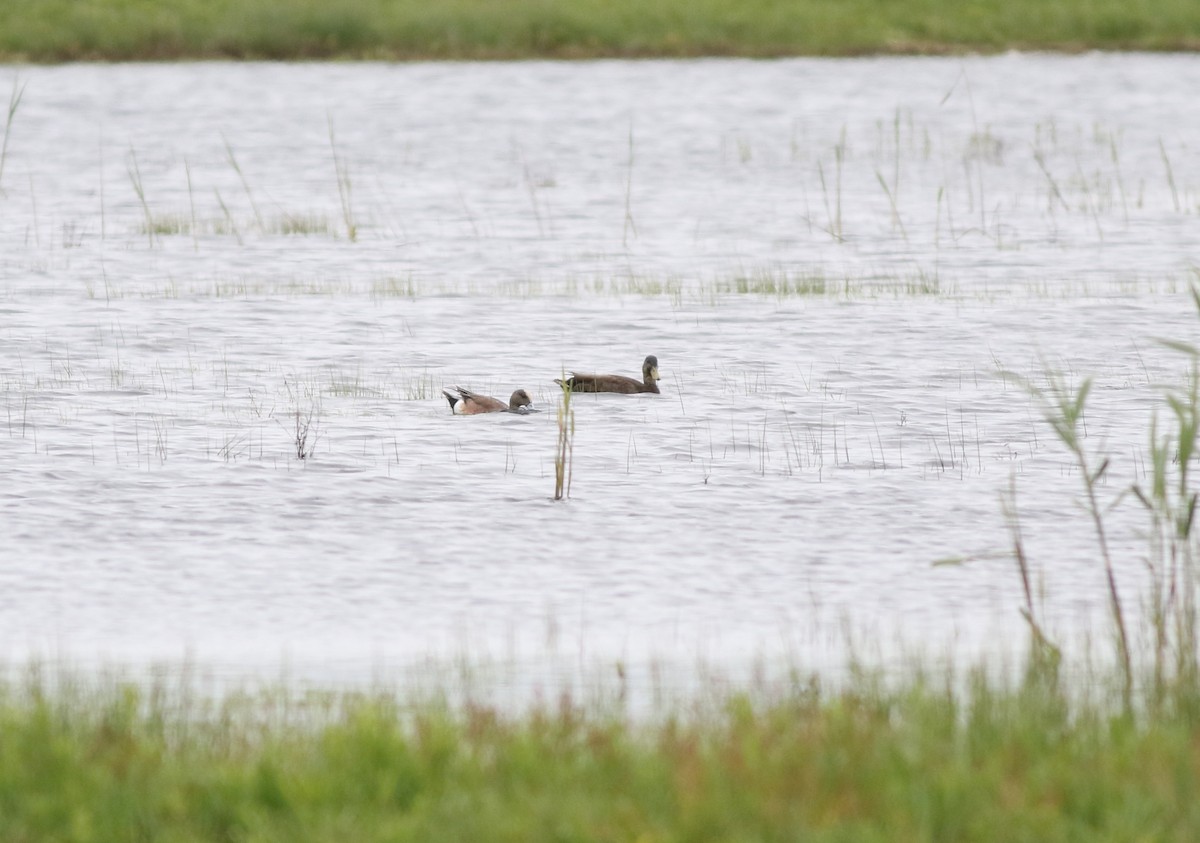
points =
(520, 402)
(650, 369)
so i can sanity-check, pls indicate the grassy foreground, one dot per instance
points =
(118, 30)
(920, 764)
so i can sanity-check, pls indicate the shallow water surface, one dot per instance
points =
(208, 269)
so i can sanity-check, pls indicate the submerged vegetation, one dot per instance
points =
(767, 283)
(123, 30)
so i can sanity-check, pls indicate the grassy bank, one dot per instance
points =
(118, 30)
(862, 764)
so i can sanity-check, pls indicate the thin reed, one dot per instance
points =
(135, 178)
(14, 102)
(342, 171)
(237, 168)
(565, 451)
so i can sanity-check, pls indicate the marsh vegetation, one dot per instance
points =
(953, 325)
(919, 762)
(119, 30)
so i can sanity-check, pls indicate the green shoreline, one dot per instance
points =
(138, 30)
(918, 762)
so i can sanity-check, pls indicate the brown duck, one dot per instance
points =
(615, 383)
(468, 403)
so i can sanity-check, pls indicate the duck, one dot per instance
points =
(615, 383)
(468, 403)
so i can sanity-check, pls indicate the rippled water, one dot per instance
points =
(832, 260)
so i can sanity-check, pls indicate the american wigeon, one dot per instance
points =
(468, 403)
(615, 383)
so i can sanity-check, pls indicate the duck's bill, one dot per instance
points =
(528, 408)
(654, 374)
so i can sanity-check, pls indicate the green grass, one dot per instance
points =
(286, 224)
(64, 30)
(763, 282)
(921, 763)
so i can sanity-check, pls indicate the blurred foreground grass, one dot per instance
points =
(121, 30)
(922, 762)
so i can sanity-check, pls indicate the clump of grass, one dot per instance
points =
(166, 224)
(420, 388)
(767, 283)
(393, 287)
(306, 423)
(643, 286)
(350, 386)
(299, 225)
(158, 224)
(304, 446)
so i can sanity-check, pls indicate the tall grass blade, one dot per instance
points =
(344, 186)
(839, 154)
(892, 201)
(1162, 149)
(135, 176)
(1182, 347)
(565, 452)
(187, 170)
(245, 184)
(14, 102)
(629, 223)
(1054, 191)
(229, 221)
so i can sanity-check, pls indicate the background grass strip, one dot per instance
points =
(121, 30)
